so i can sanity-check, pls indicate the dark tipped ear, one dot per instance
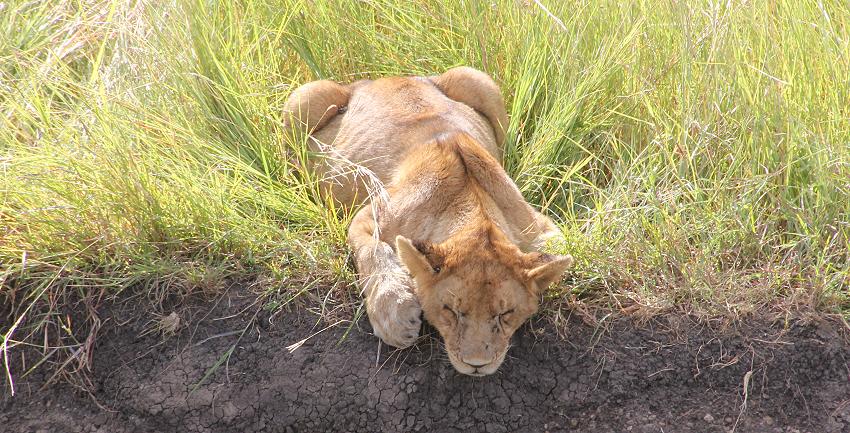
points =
(550, 271)
(412, 258)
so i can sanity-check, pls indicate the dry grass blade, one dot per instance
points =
(294, 346)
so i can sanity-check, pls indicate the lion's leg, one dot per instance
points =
(308, 109)
(313, 105)
(477, 90)
(390, 302)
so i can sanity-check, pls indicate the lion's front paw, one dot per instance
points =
(394, 313)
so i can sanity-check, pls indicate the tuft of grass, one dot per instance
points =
(696, 154)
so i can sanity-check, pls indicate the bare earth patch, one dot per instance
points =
(665, 375)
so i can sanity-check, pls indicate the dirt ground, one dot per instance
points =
(668, 374)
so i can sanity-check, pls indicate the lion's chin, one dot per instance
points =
(486, 370)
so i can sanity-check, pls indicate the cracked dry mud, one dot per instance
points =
(665, 375)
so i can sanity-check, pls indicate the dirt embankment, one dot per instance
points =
(667, 375)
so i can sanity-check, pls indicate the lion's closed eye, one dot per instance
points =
(504, 315)
(451, 313)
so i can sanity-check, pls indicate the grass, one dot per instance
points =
(696, 154)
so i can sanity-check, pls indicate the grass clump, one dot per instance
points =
(696, 154)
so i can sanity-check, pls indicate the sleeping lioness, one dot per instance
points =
(445, 231)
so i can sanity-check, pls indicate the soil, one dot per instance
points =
(667, 374)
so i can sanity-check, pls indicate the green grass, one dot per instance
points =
(696, 155)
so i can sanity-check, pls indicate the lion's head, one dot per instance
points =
(477, 288)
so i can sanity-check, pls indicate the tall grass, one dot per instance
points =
(696, 154)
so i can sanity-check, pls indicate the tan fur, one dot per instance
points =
(444, 229)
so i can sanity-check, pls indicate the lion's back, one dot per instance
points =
(388, 117)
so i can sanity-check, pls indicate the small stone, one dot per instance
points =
(708, 418)
(170, 323)
(767, 420)
(573, 422)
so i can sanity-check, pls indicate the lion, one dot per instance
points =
(444, 231)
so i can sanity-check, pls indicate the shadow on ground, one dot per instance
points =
(665, 375)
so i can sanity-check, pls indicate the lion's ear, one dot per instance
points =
(413, 258)
(550, 271)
